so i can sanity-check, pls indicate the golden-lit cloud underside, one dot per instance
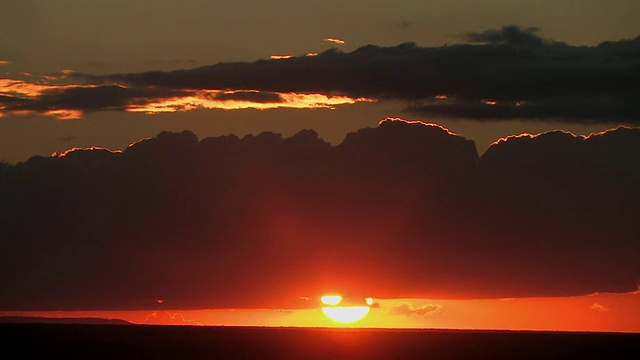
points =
(210, 99)
(335, 40)
(70, 101)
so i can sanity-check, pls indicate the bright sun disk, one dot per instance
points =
(344, 314)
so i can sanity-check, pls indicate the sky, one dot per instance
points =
(255, 155)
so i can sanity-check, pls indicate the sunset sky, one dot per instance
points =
(466, 164)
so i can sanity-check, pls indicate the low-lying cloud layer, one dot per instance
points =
(403, 210)
(510, 73)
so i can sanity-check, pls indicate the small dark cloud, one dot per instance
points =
(511, 34)
(9, 100)
(575, 109)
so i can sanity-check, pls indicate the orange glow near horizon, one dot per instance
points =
(605, 312)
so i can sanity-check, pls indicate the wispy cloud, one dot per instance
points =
(281, 57)
(599, 307)
(407, 309)
(335, 40)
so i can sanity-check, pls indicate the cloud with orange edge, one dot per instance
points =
(335, 40)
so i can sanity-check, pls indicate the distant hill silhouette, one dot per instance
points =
(49, 320)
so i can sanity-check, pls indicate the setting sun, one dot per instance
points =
(331, 299)
(344, 313)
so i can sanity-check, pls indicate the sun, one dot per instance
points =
(336, 309)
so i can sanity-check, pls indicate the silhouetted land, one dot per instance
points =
(45, 320)
(27, 341)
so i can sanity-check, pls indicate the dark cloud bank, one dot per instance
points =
(527, 76)
(402, 210)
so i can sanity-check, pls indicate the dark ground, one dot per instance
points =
(65, 341)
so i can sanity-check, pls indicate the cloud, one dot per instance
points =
(512, 34)
(281, 57)
(251, 96)
(168, 318)
(402, 210)
(408, 310)
(599, 307)
(4, 62)
(548, 80)
(504, 74)
(335, 40)
(71, 101)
